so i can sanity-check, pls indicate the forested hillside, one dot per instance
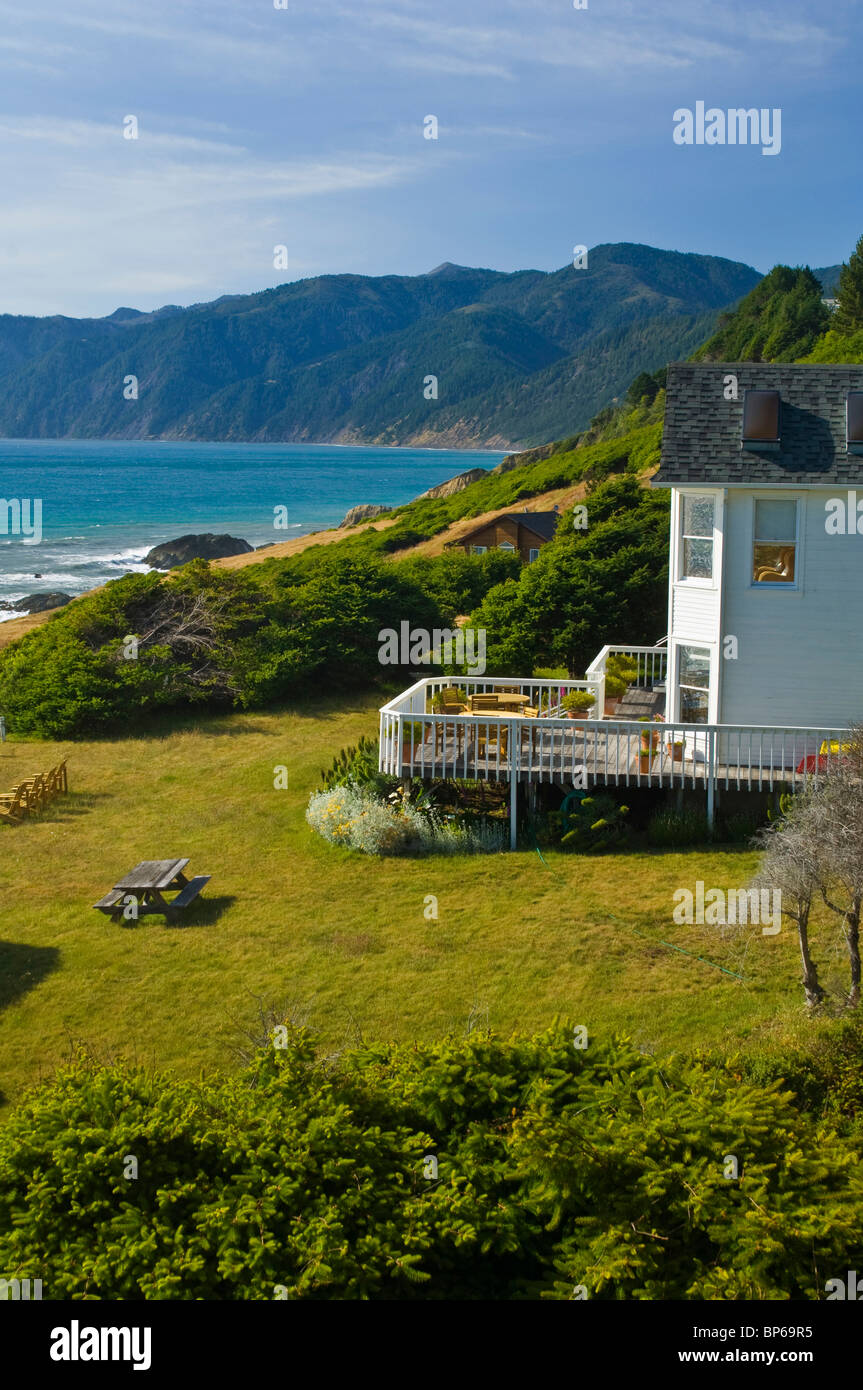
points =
(517, 359)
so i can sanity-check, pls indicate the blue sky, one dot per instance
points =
(304, 127)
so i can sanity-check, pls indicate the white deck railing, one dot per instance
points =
(416, 742)
(651, 663)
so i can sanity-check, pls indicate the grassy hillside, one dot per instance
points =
(290, 920)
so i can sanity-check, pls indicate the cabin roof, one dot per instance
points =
(542, 524)
(701, 442)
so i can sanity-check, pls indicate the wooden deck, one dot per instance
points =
(606, 754)
(589, 752)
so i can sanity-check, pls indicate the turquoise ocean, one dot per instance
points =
(105, 503)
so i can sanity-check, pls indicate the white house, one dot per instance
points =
(766, 561)
(761, 671)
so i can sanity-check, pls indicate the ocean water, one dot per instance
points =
(106, 503)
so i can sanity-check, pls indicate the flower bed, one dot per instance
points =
(355, 818)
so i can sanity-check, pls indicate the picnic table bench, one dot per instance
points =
(145, 885)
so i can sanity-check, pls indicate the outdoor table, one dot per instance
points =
(149, 879)
(146, 884)
(504, 700)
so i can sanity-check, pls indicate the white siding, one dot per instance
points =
(694, 614)
(695, 607)
(800, 656)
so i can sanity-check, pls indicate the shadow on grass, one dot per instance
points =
(227, 723)
(707, 847)
(72, 805)
(204, 912)
(23, 967)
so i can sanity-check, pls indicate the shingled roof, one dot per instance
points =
(701, 442)
(541, 524)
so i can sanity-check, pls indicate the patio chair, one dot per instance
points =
(444, 731)
(488, 735)
(482, 702)
(37, 792)
(451, 701)
(58, 780)
(14, 805)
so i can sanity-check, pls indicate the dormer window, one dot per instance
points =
(761, 420)
(854, 422)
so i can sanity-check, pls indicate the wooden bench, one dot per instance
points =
(15, 805)
(188, 894)
(112, 903)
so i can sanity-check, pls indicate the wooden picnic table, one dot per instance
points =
(147, 882)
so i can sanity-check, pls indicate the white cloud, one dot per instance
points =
(88, 213)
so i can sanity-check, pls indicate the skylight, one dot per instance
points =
(854, 422)
(761, 419)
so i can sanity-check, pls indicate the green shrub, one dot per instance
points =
(670, 829)
(597, 824)
(556, 1166)
(740, 827)
(578, 701)
(358, 819)
(358, 766)
(621, 667)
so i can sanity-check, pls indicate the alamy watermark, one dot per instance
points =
(844, 517)
(720, 907)
(737, 126)
(21, 517)
(418, 646)
(24, 1290)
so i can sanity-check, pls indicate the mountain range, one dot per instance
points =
(518, 358)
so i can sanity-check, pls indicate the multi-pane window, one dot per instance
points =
(478, 549)
(696, 527)
(693, 683)
(774, 550)
(506, 545)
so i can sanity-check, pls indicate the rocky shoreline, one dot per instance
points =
(208, 546)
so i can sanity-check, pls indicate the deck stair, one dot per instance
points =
(640, 702)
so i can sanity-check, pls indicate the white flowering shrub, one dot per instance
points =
(355, 818)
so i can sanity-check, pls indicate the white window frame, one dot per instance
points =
(506, 545)
(479, 550)
(533, 554)
(673, 691)
(778, 496)
(689, 579)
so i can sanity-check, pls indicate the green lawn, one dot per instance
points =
(343, 937)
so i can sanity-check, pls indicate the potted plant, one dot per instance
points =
(674, 747)
(577, 703)
(620, 672)
(614, 688)
(650, 737)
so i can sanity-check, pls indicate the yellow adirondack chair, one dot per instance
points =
(14, 805)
